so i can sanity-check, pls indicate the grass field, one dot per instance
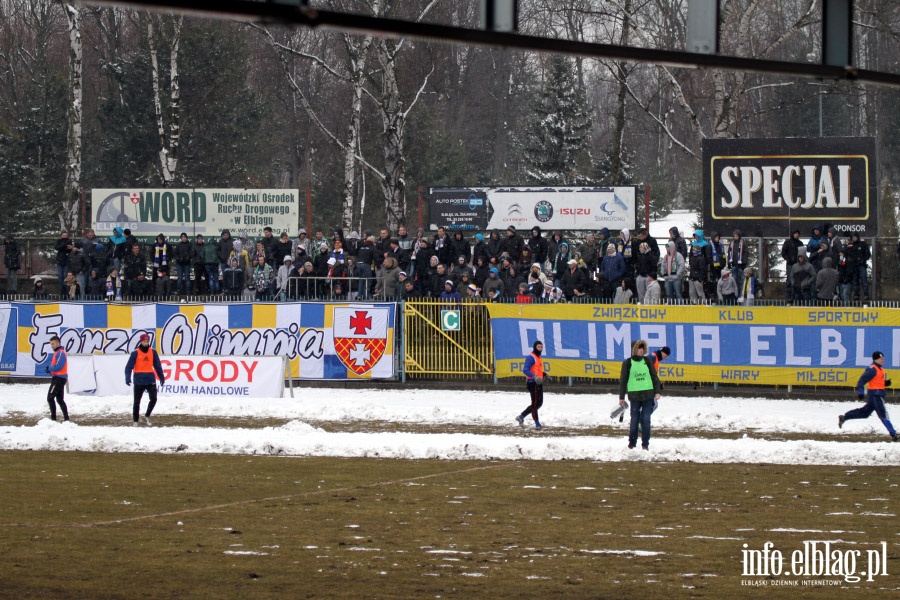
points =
(97, 526)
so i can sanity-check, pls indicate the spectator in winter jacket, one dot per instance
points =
(738, 257)
(388, 285)
(625, 249)
(162, 256)
(590, 253)
(95, 286)
(269, 242)
(492, 284)
(827, 280)
(183, 253)
(133, 264)
(727, 289)
(560, 263)
(624, 294)
(652, 294)
(141, 288)
(79, 265)
(460, 246)
(511, 279)
(697, 272)
(859, 254)
(612, 271)
(803, 277)
(113, 285)
(574, 281)
(459, 268)
(117, 247)
(263, 279)
(789, 253)
(540, 249)
(512, 244)
(671, 269)
(479, 250)
(680, 244)
(645, 264)
(284, 247)
(39, 293)
(420, 256)
(749, 288)
(225, 246)
(11, 262)
(846, 272)
(494, 248)
(643, 236)
(71, 288)
(202, 281)
(63, 247)
(98, 258)
(243, 259)
(816, 247)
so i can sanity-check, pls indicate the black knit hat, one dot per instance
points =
(877, 354)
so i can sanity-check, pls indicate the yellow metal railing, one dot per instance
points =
(429, 350)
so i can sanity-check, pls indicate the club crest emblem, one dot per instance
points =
(360, 336)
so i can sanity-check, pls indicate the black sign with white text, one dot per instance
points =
(770, 187)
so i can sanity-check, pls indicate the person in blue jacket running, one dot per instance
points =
(873, 378)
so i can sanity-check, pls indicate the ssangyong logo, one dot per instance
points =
(543, 211)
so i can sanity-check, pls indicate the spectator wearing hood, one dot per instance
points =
(803, 277)
(460, 246)
(320, 260)
(351, 245)
(624, 249)
(459, 268)
(116, 247)
(671, 269)
(698, 272)
(827, 280)
(11, 262)
(95, 286)
(39, 292)
(480, 271)
(680, 244)
(834, 245)
(556, 238)
(726, 288)
(511, 278)
(540, 249)
(492, 284)
(536, 279)
(233, 281)
(98, 258)
(479, 249)
(738, 256)
(512, 244)
(243, 257)
(184, 251)
(303, 242)
(560, 262)
(816, 247)
(789, 250)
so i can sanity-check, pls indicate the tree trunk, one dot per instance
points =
(168, 141)
(358, 53)
(393, 118)
(617, 148)
(68, 216)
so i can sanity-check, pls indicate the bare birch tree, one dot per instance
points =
(68, 216)
(169, 137)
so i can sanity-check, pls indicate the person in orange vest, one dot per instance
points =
(875, 378)
(59, 375)
(534, 381)
(145, 365)
(660, 355)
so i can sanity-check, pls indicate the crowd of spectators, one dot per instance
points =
(502, 267)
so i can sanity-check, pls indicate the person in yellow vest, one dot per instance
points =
(145, 365)
(875, 378)
(534, 381)
(639, 381)
(59, 373)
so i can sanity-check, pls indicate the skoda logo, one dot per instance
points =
(543, 211)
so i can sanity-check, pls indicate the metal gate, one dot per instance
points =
(447, 340)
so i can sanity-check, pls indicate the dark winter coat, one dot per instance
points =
(183, 252)
(11, 254)
(540, 249)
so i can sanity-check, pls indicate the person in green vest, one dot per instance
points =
(639, 381)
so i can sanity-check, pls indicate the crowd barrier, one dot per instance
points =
(472, 340)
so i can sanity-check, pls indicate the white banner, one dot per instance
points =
(563, 208)
(148, 212)
(197, 376)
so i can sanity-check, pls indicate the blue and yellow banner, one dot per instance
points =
(322, 340)
(766, 345)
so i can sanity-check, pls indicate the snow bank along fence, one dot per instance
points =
(781, 346)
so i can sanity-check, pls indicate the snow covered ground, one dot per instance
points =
(703, 430)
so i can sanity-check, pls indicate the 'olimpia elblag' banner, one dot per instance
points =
(322, 340)
(772, 346)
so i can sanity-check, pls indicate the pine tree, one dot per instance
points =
(557, 141)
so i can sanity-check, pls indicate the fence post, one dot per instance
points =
(402, 322)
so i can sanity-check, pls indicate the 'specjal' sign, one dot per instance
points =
(770, 187)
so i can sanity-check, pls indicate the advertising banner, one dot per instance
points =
(197, 376)
(320, 340)
(149, 212)
(770, 187)
(569, 208)
(767, 345)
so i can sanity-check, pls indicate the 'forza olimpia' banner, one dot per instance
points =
(771, 345)
(321, 340)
